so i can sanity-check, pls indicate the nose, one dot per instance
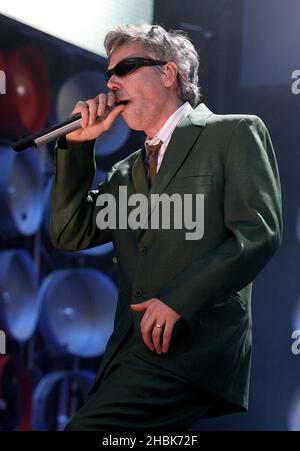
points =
(113, 83)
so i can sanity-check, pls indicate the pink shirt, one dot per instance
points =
(165, 133)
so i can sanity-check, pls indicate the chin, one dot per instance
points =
(132, 122)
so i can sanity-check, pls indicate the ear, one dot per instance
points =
(169, 75)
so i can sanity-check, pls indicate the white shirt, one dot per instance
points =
(165, 133)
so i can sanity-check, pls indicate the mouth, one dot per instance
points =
(121, 102)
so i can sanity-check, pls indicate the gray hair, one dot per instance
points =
(172, 45)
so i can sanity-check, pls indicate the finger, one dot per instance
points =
(148, 317)
(138, 307)
(111, 98)
(146, 331)
(93, 106)
(112, 116)
(167, 336)
(145, 320)
(141, 305)
(102, 104)
(157, 336)
(82, 108)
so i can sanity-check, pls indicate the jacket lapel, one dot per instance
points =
(177, 151)
(179, 147)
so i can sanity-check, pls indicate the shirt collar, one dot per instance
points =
(165, 133)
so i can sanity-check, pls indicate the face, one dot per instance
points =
(145, 89)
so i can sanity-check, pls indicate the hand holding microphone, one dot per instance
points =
(102, 107)
(89, 120)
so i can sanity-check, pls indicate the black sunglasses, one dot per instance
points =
(129, 65)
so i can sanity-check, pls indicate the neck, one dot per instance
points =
(166, 112)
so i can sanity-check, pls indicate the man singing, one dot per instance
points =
(181, 346)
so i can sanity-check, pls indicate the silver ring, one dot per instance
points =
(158, 325)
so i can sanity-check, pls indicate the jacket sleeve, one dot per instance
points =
(73, 203)
(252, 214)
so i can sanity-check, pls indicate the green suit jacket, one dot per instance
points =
(229, 159)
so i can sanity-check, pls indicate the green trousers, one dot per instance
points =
(137, 395)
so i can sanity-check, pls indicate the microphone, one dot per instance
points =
(55, 131)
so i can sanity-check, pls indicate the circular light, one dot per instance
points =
(26, 102)
(77, 311)
(21, 194)
(19, 306)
